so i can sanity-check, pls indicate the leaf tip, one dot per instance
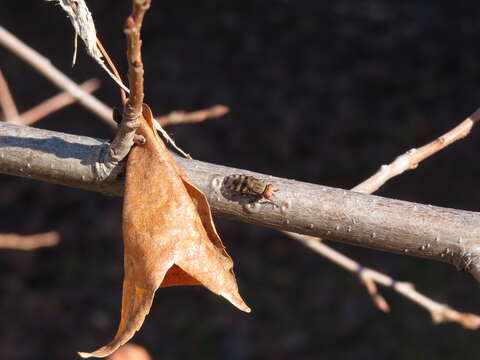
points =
(246, 309)
(242, 306)
(100, 353)
(237, 301)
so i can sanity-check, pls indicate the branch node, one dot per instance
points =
(139, 139)
(133, 124)
(129, 26)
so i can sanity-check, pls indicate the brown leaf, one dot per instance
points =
(169, 236)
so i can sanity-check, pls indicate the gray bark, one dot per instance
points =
(426, 231)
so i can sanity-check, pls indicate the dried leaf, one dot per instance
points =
(84, 27)
(82, 22)
(169, 236)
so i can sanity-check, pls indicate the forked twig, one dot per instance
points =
(82, 22)
(45, 67)
(7, 104)
(51, 105)
(410, 160)
(29, 242)
(184, 117)
(439, 312)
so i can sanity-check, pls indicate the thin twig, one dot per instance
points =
(106, 169)
(7, 103)
(132, 30)
(183, 117)
(132, 109)
(413, 157)
(51, 105)
(29, 242)
(439, 312)
(45, 67)
(368, 277)
(345, 262)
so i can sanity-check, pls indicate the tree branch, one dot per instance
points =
(439, 312)
(184, 117)
(413, 157)
(7, 104)
(29, 242)
(45, 67)
(442, 234)
(369, 277)
(132, 108)
(51, 105)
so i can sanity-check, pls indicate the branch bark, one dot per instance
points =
(132, 108)
(447, 235)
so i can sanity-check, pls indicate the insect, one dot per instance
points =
(248, 185)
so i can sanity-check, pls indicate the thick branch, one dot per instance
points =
(442, 234)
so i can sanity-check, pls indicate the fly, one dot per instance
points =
(249, 185)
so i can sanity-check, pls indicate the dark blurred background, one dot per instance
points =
(320, 91)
